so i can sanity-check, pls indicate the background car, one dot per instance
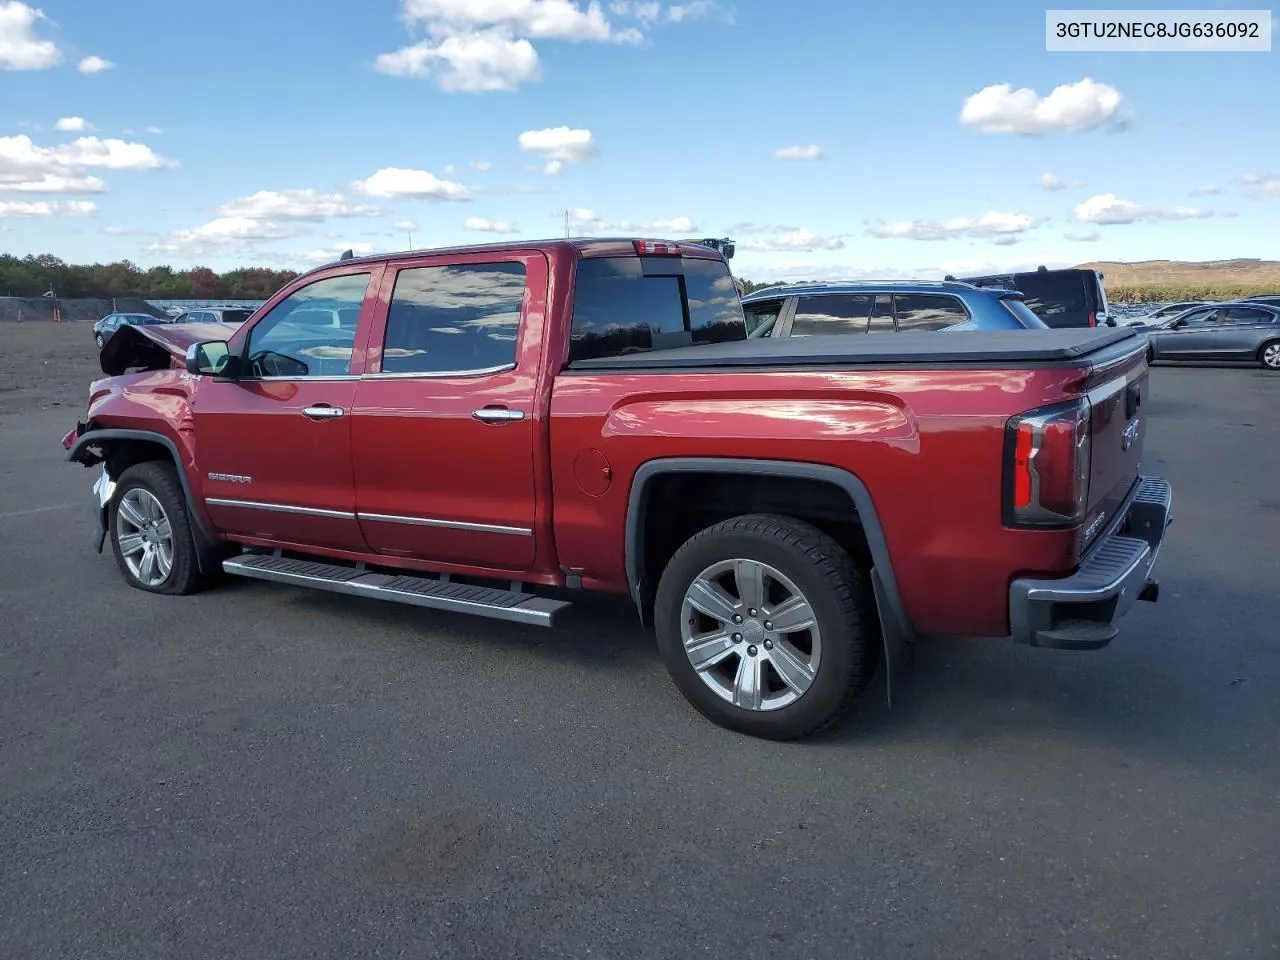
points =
(1271, 300)
(827, 308)
(104, 328)
(1061, 298)
(1165, 313)
(1247, 330)
(216, 315)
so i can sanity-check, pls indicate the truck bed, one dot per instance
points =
(1000, 348)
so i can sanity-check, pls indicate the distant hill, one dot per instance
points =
(1179, 280)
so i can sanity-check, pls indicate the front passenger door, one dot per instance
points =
(1192, 339)
(274, 445)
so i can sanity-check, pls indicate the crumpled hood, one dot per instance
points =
(152, 346)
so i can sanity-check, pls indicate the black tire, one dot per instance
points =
(160, 480)
(838, 593)
(99, 341)
(1262, 355)
(1151, 355)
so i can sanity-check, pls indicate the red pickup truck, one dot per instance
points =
(489, 429)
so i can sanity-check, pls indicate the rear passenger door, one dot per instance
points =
(922, 312)
(832, 313)
(443, 427)
(1237, 336)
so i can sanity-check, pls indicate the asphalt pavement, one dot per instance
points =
(266, 772)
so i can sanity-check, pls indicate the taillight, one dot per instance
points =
(1047, 458)
(657, 248)
(1093, 319)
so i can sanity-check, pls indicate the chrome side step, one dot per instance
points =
(399, 588)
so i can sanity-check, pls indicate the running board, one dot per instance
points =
(418, 591)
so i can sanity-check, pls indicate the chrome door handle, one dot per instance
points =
(323, 412)
(497, 415)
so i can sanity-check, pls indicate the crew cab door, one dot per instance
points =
(444, 427)
(274, 445)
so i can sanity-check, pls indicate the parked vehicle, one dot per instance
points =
(1061, 298)
(216, 315)
(1269, 300)
(1247, 330)
(104, 328)
(491, 423)
(802, 310)
(1165, 313)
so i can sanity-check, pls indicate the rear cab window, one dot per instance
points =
(625, 305)
(921, 312)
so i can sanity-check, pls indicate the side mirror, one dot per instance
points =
(212, 358)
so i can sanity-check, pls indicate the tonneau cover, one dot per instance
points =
(1002, 347)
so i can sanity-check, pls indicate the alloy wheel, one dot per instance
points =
(1271, 355)
(145, 537)
(750, 634)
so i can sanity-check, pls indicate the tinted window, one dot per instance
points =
(832, 313)
(454, 319)
(628, 305)
(236, 316)
(882, 315)
(311, 332)
(1052, 295)
(1245, 315)
(926, 311)
(762, 317)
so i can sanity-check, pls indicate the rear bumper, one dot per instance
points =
(1082, 611)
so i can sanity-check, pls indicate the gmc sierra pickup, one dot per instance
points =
(488, 429)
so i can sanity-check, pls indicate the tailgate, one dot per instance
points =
(1117, 389)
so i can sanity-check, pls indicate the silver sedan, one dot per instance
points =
(1220, 331)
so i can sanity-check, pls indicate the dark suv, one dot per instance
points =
(1061, 298)
(824, 308)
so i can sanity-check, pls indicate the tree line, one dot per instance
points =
(34, 276)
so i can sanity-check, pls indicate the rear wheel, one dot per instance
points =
(1269, 355)
(150, 531)
(766, 626)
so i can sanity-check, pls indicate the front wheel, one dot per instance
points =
(1269, 355)
(151, 532)
(766, 626)
(99, 341)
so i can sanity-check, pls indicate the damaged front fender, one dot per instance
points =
(156, 346)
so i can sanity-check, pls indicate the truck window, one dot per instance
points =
(462, 318)
(1055, 297)
(927, 311)
(832, 313)
(620, 306)
(280, 345)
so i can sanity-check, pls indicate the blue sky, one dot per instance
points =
(828, 139)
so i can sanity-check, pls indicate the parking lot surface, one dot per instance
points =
(261, 771)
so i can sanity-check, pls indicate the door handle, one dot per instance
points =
(322, 411)
(497, 415)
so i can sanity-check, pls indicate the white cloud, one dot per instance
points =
(407, 226)
(489, 226)
(1083, 236)
(222, 232)
(116, 231)
(1052, 182)
(72, 124)
(1268, 188)
(473, 62)
(20, 47)
(294, 205)
(1261, 184)
(449, 169)
(809, 152)
(46, 208)
(1255, 177)
(330, 254)
(1207, 190)
(645, 12)
(156, 131)
(1070, 108)
(481, 166)
(689, 11)
(799, 241)
(92, 65)
(391, 182)
(546, 19)
(585, 220)
(995, 226)
(28, 168)
(673, 225)
(559, 146)
(749, 228)
(1108, 209)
